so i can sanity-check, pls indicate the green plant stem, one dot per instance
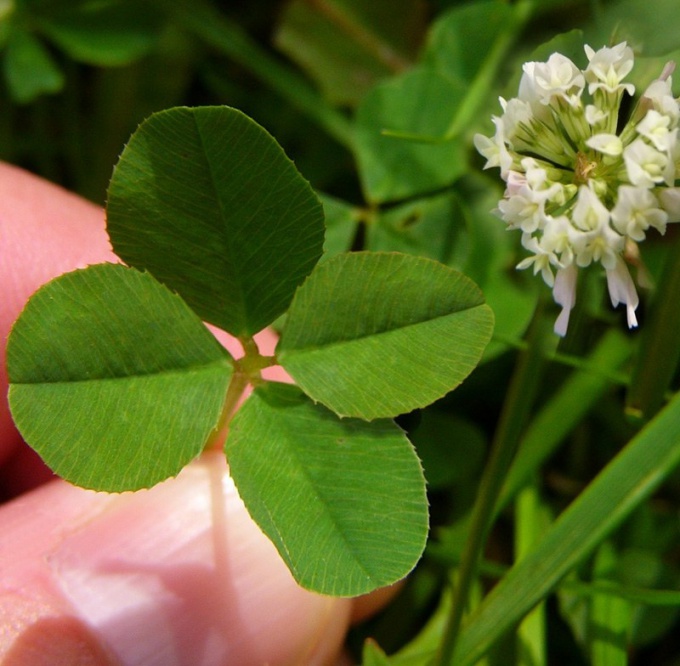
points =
(516, 408)
(479, 89)
(246, 371)
(566, 407)
(213, 28)
(237, 385)
(586, 365)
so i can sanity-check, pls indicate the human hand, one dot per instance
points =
(175, 575)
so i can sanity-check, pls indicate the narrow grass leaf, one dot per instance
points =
(563, 411)
(626, 482)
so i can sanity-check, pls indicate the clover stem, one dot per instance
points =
(237, 385)
(518, 402)
(247, 370)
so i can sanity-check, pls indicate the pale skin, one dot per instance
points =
(173, 576)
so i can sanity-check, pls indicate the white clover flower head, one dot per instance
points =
(645, 164)
(494, 149)
(523, 211)
(622, 290)
(589, 213)
(608, 67)
(564, 293)
(659, 94)
(542, 259)
(516, 114)
(559, 77)
(559, 236)
(595, 115)
(583, 184)
(609, 144)
(669, 199)
(655, 127)
(635, 211)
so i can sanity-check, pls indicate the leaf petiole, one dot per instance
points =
(247, 371)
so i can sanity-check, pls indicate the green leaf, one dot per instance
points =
(347, 45)
(461, 39)
(451, 448)
(114, 381)
(30, 70)
(207, 201)
(532, 518)
(610, 617)
(459, 230)
(342, 500)
(376, 334)
(621, 486)
(653, 32)
(420, 102)
(657, 610)
(104, 33)
(565, 409)
(636, 595)
(372, 655)
(431, 227)
(471, 44)
(341, 225)
(659, 353)
(212, 28)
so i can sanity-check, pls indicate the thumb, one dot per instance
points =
(174, 575)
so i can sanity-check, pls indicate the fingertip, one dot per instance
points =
(368, 604)
(58, 641)
(162, 575)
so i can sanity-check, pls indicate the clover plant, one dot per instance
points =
(549, 462)
(118, 384)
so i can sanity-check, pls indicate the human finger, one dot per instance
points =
(174, 575)
(44, 232)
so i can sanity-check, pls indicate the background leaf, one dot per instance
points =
(610, 617)
(376, 334)
(347, 45)
(342, 500)
(451, 449)
(342, 220)
(30, 70)
(650, 32)
(621, 486)
(431, 227)
(206, 200)
(461, 39)
(104, 32)
(420, 102)
(114, 381)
